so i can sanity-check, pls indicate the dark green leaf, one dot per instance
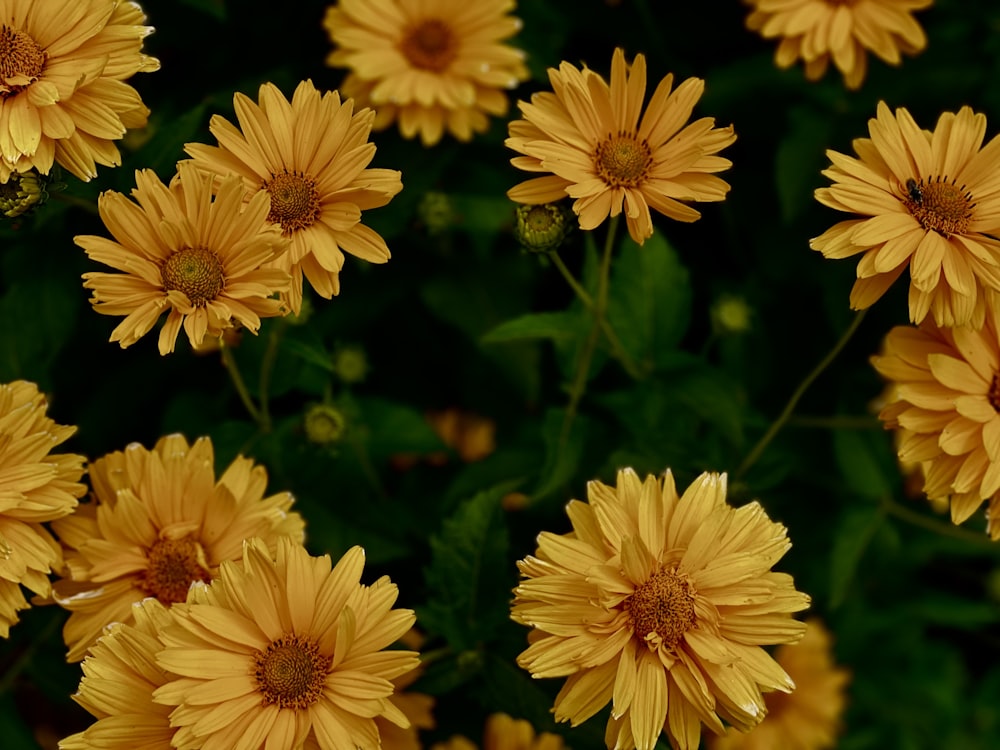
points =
(556, 325)
(855, 531)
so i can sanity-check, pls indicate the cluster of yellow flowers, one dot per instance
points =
(201, 619)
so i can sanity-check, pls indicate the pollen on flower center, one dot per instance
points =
(294, 201)
(940, 205)
(430, 45)
(623, 161)
(22, 60)
(174, 564)
(195, 271)
(290, 672)
(661, 610)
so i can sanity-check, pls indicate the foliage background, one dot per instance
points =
(914, 607)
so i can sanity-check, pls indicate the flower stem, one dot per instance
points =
(241, 387)
(73, 200)
(912, 517)
(617, 349)
(587, 352)
(266, 368)
(778, 423)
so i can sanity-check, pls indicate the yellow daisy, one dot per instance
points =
(416, 707)
(505, 733)
(35, 487)
(844, 31)
(809, 718)
(591, 139)
(928, 202)
(159, 521)
(430, 64)
(945, 402)
(286, 651)
(62, 93)
(119, 677)
(311, 157)
(181, 251)
(659, 604)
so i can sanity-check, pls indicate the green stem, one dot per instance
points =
(914, 518)
(617, 349)
(241, 387)
(266, 368)
(72, 200)
(836, 423)
(579, 385)
(778, 423)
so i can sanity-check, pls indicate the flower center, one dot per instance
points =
(939, 205)
(994, 394)
(290, 672)
(174, 564)
(21, 61)
(430, 45)
(622, 161)
(661, 610)
(294, 201)
(195, 271)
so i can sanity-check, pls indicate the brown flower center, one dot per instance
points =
(294, 201)
(174, 564)
(994, 394)
(939, 205)
(623, 161)
(195, 271)
(290, 672)
(430, 45)
(21, 61)
(661, 610)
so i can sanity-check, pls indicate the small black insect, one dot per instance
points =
(916, 195)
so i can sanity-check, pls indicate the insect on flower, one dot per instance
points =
(916, 194)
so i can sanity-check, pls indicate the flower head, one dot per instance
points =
(844, 31)
(433, 65)
(159, 522)
(62, 93)
(505, 733)
(590, 137)
(927, 202)
(809, 718)
(945, 402)
(659, 603)
(310, 156)
(285, 650)
(180, 250)
(35, 486)
(119, 677)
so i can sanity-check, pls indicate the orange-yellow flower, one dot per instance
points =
(927, 202)
(589, 137)
(505, 733)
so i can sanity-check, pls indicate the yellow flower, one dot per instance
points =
(35, 487)
(945, 402)
(659, 604)
(809, 718)
(430, 64)
(119, 677)
(62, 93)
(183, 252)
(505, 733)
(159, 522)
(590, 137)
(928, 202)
(311, 157)
(842, 30)
(286, 651)
(416, 707)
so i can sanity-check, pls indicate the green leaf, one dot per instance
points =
(390, 427)
(649, 304)
(564, 326)
(562, 454)
(866, 462)
(470, 576)
(311, 353)
(39, 316)
(799, 159)
(214, 8)
(856, 529)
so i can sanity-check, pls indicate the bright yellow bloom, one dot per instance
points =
(505, 733)
(119, 677)
(159, 522)
(591, 139)
(62, 93)
(844, 31)
(311, 157)
(180, 250)
(416, 707)
(287, 651)
(430, 64)
(928, 202)
(945, 402)
(809, 718)
(659, 604)
(35, 487)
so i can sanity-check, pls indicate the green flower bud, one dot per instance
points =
(731, 315)
(350, 364)
(436, 212)
(324, 424)
(543, 228)
(22, 192)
